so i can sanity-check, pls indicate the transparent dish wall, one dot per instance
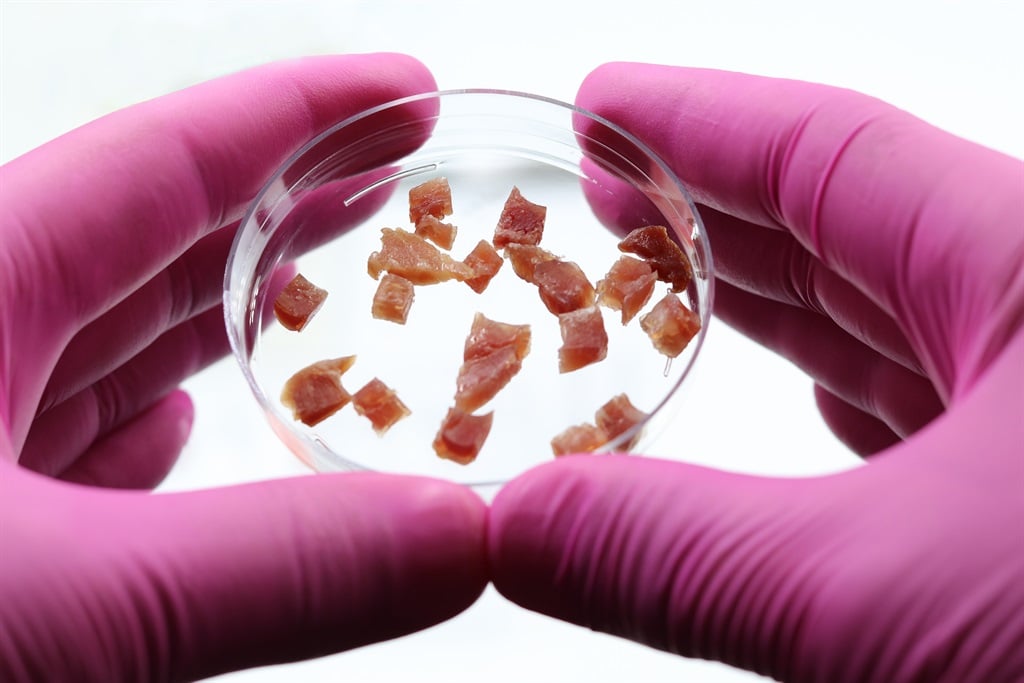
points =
(323, 212)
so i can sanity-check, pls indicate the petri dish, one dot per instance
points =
(321, 214)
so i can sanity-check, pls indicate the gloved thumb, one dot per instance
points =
(686, 559)
(185, 586)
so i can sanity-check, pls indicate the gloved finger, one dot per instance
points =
(821, 162)
(830, 578)
(62, 434)
(185, 586)
(162, 174)
(862, 433)
(681, 558)
(194, 283)
(139, 453)
(774, 265)
(189, 286)
(903, 400)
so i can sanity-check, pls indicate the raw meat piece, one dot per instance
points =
(429, 202)
(581, 438)
(521, 221)
(485, 262)
(409, 255)
(525, 257)
(670, 325)
(563, 286)
(618, 416)
(492, 356)
(393, 299)
(653, 244)
(432, 198)
(314, 393)
(462, 435)
(378, 402)
(487, 336)
(298, 302)
(481, 378)
(584, 340)
(433, 229)
(627, 287)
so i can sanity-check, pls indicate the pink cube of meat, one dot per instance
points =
(524, 259)
(485, 262)
(627, 287)
(434, 229)
(431, 198)
(492, 356)
(298, 302)
(314, 393)
(653, 244)
(521, 221)
(581, 438)
(393, 299)
(487, 336)
(563, 286)
(618, 416)
(380, 405)
(584, 339)
(462, 436)
(670, 325)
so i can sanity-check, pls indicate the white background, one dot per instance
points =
(958, 64)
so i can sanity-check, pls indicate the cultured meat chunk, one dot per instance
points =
(434, 229)
(485, 262)
(378, 402)
(492, 356)
(563, 286)
(393, 299)
(618, 416)
(584, 339)
(409, 255)
(521, 221)
(653, 244)
(298, 302)
(431, 198)
(581, 438)
(487, 336)
(462, 435)
(314, 393)
(627, 287)
(480, 379)
(670, 325)
(525, 257)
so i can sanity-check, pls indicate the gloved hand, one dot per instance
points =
(113, 245)
(885, 258)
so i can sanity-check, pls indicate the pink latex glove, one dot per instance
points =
(885, 258)
(113, 245)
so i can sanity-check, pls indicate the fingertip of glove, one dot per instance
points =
(413, 72)
(379, 63)
(335, 86)
(437, 509)
(608, 82)
(441, 527)
(598, 82)
(441, 514)
(184, 407)
(531, 520)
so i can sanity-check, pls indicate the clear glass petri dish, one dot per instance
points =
(322, 212)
